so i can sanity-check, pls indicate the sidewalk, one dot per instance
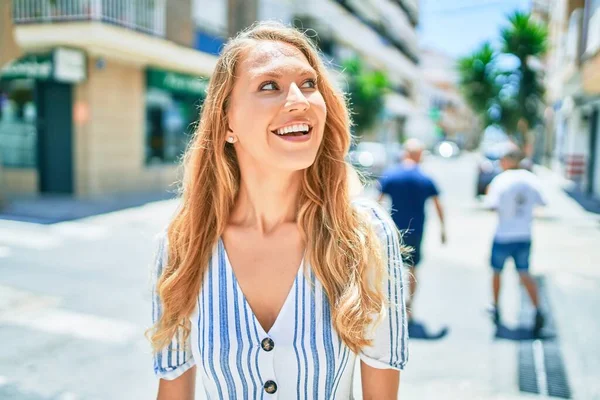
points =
(561, 205)
(54, 209)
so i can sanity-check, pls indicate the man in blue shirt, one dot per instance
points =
(409, 188)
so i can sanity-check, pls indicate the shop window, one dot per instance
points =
(171, 119)
(18, 130)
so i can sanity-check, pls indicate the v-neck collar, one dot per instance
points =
(288, 299)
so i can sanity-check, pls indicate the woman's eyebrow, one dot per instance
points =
(276, 73)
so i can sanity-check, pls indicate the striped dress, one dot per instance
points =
(301, 356)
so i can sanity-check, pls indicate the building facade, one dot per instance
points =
(103, 99)
(573, 82)
(443, 110)
(106, 93)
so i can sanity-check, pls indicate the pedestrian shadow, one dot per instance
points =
(520, 333)
(418, 330)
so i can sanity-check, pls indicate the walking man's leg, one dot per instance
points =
(521, 257)
(499, 256)
(496, 281)
(531, 287)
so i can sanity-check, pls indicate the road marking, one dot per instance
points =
(82, 326)
(37, 240)
(25, 309)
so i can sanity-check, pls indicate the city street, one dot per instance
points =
(75, 301)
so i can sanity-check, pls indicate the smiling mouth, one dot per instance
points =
(293, 130)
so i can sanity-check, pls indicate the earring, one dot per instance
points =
(231, 139)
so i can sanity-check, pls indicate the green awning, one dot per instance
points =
(33, 66)
(177, 82)
(61, 65)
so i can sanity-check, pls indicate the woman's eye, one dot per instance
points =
(268, 86)
(310, 84)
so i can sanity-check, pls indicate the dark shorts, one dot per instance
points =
(412, 240)
(518, 251)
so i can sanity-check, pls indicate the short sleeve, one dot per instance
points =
(538, 194)
(383, 185)
(432, 189)
(540, 200)
(172, 361)
(389, 349)
(492, 197)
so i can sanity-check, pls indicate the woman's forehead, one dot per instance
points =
(273, 56)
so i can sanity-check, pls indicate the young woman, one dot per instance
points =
(270, 280)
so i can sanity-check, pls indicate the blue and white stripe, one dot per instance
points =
(308, 361)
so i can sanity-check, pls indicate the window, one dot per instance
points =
(170, 123)
(18, 117)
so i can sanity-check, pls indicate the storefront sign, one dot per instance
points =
(33, 66)
(62, 65)
(177, 82)
(69, 65)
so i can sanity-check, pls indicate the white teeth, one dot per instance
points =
(293, 128)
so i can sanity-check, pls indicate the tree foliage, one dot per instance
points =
(525, 39)
(510, 97)
(366, 91)
(477, 80)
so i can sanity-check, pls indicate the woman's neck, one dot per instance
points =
(266, 200)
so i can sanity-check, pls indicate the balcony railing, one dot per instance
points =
(386, 36)
(148, 16)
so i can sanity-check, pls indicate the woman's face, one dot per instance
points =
(276, 113)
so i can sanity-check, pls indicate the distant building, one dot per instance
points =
(442, 111)
(573, 82)
(104, 97)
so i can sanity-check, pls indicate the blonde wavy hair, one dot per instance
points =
(341, 244)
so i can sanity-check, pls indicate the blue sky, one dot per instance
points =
(457, 27)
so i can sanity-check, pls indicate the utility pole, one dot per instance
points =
(240, 14)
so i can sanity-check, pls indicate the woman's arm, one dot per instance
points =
(379, 384)
(181, 388)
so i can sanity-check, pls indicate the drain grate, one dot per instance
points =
(541, 367)
(558, 386)
(527, 374)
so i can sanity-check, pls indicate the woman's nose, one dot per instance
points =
(296, 101)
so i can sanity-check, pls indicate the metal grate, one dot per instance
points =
(541, 367)
(527, 373)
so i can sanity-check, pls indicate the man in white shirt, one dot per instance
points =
(514, 194)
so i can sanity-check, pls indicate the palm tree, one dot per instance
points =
(366, 94)
(478, 81)
(526, 39)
